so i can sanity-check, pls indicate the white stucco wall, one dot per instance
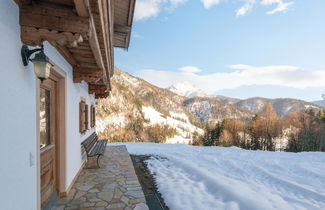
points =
(18, 179)
(74, 93)
(17, 117)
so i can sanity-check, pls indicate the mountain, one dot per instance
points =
(138, 111)
(211, 110)
(187, 89)
(226, 99)
(319, 103)
(282, 106)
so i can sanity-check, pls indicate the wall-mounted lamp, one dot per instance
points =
(41, 62)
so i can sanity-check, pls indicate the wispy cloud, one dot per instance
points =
(145, 9)
(247, 7)
(239, 75)
(190, 69)
(209, 3)
(281, 6)
(136, 35)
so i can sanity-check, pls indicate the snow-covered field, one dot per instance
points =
(204, 178)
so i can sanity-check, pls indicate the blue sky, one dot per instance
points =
(239, 48)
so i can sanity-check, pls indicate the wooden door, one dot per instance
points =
(48, 111)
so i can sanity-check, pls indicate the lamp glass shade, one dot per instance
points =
(42, 69)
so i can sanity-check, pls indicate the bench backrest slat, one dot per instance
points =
(89, 142)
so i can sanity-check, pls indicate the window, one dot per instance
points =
(45, 117)
(83, 116)
(92, 116)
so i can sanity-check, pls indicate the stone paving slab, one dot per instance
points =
(114, 186)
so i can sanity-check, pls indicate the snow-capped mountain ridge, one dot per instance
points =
(136, 110)
(282, 106)
(210, 110)
(187, 89)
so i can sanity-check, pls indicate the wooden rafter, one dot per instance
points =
(130, 20)
(97, 89)
(52, 17)
(82, 7)
(37, 36)
(110, 17)
(122, 29)
(123, 18)
(65, 53)
(94, 45)
(87, 74)
(105, 36)
(102, 95)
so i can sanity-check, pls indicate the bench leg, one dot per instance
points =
(98, 156)
(90, 162)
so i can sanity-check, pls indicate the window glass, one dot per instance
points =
(45, 117)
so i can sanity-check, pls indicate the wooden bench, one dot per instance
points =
(94, 147)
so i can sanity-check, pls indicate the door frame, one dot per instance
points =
(60, 77)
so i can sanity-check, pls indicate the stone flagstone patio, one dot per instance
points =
(113, 186)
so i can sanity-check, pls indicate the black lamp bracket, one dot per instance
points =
(26, 53)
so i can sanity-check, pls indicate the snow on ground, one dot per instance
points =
(179, 115)
(112, 120)
(230, 178)
(311, 107)
(127, 80)
(178, 139)
(185, 129)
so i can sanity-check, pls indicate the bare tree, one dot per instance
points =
(271, 127)
(232, 132)
(311, 133)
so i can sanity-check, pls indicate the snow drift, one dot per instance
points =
(230, 178)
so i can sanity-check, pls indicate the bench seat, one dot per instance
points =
(94, 147)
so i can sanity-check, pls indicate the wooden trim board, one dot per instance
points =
(65, 193)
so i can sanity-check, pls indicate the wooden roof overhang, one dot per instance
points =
(83, 31)
(123, 18)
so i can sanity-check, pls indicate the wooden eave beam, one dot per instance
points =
(53, 17)
(110, 14)
(103, 95)
(97, 89)
(95, 47)
(102, 57)
(121, 29)
(130, 21)
(82, 7)
(65, 53)
(87, 74)
(37, 36)
(104, 8)
(21, 2)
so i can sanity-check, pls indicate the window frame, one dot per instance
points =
(83, 116)
(92, 116)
